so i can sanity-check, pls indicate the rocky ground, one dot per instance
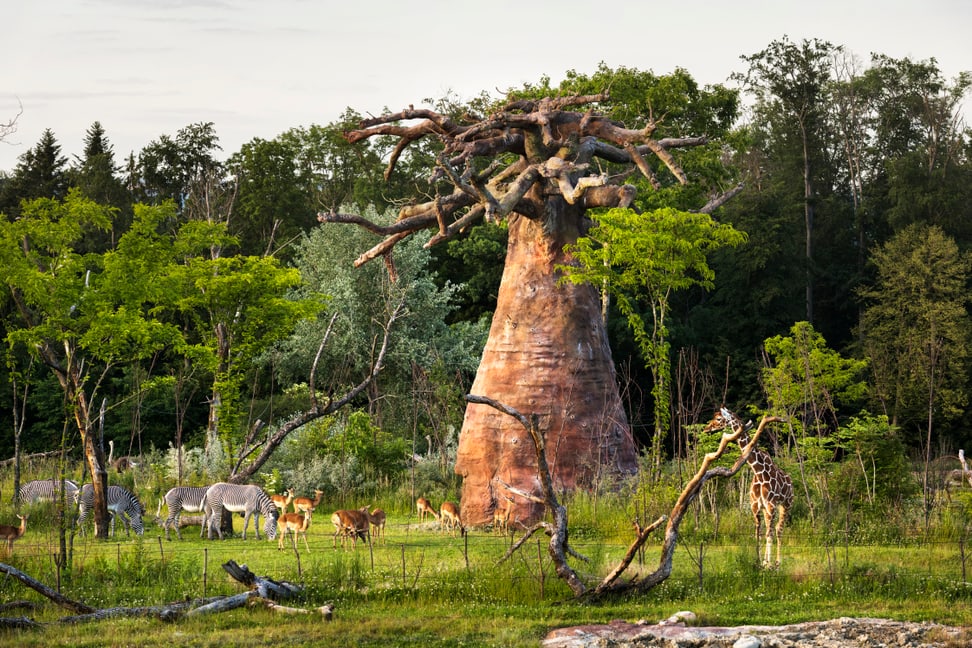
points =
(837, 633)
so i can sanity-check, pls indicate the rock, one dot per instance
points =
(747, 641)
(836, 633)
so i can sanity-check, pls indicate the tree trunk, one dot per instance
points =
(547, 354)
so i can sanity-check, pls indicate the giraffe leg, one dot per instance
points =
(754, 507)
(768, 514)
(779, 532)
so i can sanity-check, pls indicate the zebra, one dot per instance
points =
(248, 500)
(45, 490)
(184, 498)
(120, 503)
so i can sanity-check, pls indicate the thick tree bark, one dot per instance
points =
(547, 353)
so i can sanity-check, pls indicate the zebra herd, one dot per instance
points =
(250, 501)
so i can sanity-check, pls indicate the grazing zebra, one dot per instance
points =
(120, 503)
(249, 500)
(45, 490)
(184, 498)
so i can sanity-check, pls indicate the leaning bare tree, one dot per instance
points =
(536, 164)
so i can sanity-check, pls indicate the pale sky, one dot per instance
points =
(257, 68)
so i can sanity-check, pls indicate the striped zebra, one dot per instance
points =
(45, 490)
(248, 500)
(120, 503)
(184, 498)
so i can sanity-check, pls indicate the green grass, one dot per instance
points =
(425, 587)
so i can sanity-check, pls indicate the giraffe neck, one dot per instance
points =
(758, 460)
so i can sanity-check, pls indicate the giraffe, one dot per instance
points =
(772, 489)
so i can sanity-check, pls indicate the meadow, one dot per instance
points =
(423, 586)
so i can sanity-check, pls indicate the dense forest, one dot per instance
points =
(187, 299)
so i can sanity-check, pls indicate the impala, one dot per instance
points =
(296, 523)
(449, 516)
(351, 524)
(501, 517)
(304, 504)
(425, 507)
(377, 518)
(283, 501)
(11, 533)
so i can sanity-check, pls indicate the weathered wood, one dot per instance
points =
(265, 587)
(223, 605)
(18, 622)
(169, 612)
(327, 611)
(37, 586)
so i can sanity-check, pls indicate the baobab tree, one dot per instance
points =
(538, 165)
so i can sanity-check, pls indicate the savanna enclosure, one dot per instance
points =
(480, 368)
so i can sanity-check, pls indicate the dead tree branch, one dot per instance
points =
(531, 137)
(37, 586)
(558, 546)
(691, 491)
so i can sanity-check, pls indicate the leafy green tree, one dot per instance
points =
(809, 382)
(361, 299)
(790, 82)
(641, 260)
(77, 315)
(168, 166)
(272, 206)
(236, 308)
(916, 330)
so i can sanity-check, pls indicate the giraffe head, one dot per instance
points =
(723, 419)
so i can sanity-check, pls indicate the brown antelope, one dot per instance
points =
(11, 533)
(283, 501)
(377, 518)
(425, 508)
(351, 524)
(449, 516)
(296, 523)
(304, 504)
(501, 517)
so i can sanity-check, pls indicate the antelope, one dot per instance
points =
(296, 523)
(449, 516)
(304, 504)
(351, 523)
(501, 517)
(11, 533)
(425, 507)
(283, 501)
(377, 518)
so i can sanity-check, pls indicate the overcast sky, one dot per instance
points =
(256, 68)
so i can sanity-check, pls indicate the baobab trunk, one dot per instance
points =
(547, 354)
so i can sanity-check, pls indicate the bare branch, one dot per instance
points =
(558, 531)
(721, 199)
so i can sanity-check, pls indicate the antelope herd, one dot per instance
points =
(350, 525)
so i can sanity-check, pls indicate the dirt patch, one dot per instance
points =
(836, 633)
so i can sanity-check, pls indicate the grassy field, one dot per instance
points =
(423, 586)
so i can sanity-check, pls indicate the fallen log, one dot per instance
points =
(37, 586)
(266, 587)
(223, 605)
